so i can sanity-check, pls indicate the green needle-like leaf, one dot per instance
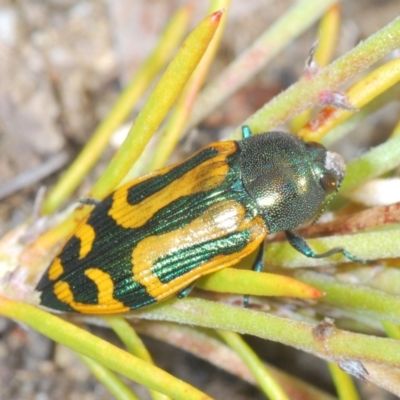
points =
(159, 103)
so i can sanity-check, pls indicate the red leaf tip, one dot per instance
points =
(215, 17)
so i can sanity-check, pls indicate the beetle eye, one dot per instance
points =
(329, 183)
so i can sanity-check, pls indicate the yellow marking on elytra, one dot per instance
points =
(56, 269)
(63, 292)
(206, 176)
(86, 234)
(104, 283)
(219, 220)
(106, 303)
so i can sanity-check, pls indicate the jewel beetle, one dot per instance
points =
(154, 236)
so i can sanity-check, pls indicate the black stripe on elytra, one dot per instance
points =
(145, 189)
(44, 282)
(185, 260)
(49, 299)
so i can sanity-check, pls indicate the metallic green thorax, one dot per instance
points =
(283, 175)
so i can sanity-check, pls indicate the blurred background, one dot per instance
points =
(62, 65)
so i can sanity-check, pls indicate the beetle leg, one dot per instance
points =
(258, 262)
(88, 201)
(299, 243)
(246, 132)
(184, 292)
(257, 267)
